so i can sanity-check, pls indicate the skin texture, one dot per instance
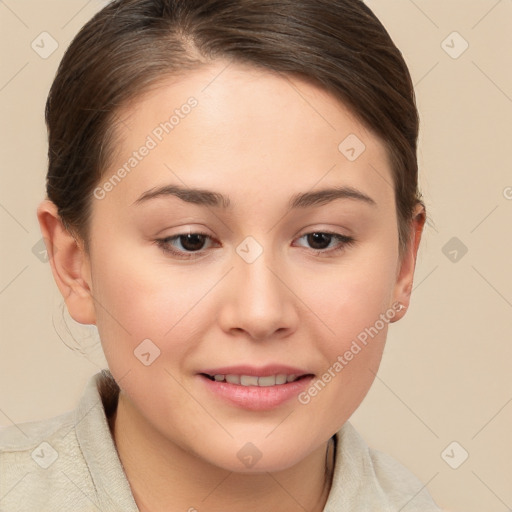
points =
(258, 138)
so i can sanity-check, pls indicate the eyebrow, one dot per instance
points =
(204, 197)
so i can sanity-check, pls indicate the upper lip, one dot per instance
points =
(259, 371)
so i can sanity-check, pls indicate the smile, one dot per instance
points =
(254, 380)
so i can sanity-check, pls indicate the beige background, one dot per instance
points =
(446, 371)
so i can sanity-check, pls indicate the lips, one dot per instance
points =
(256, 388)
(245, 375)
(250, 395)
(255, 380)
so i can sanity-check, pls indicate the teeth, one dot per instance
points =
(281, 378)
(253, 380)
(248, 380)
(267, 381)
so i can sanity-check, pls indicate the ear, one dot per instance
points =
(69, 262)
(407, 264)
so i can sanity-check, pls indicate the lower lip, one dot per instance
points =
(256, 398)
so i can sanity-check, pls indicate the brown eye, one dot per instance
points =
(319, 240)
(192, 241)
(184, 245)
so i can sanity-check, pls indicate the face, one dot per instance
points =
(258, 273)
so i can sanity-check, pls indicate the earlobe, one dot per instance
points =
(405, 275)
(69, 263)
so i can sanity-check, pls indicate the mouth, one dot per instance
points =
(255, 389)
(255, 380)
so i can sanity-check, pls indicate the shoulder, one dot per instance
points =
(401, 486)
(367, 479)
(43, 467)
(26, 436)
(27, 446)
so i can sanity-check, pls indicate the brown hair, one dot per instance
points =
(131, 45)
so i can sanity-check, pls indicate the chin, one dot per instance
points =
(256, 457)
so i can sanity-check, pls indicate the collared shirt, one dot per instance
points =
(70, 463)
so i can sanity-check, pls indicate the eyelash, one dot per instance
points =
(164, 244)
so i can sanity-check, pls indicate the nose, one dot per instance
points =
(258, 299)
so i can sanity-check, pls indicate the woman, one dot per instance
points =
(233, 202)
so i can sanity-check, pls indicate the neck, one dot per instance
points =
(164, 477)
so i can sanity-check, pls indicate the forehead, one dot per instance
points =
(230, 126)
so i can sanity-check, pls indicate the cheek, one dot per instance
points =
(353, 305)
(350, 298)
(136, 301)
